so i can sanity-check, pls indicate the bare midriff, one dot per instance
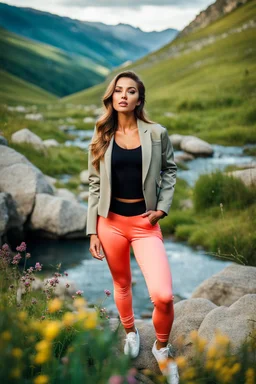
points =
(128, 200)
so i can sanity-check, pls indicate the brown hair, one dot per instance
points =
(107, 123)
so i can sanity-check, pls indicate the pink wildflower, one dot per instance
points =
(67, 285)
(116, 379)
(28, 255)
(22, 247)
(65, 273)
(79, 292)
(107, 292)
(38, 267)
(16, 259)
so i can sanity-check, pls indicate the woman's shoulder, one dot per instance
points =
(157, 130)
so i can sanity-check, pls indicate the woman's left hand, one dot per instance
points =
(153, 216)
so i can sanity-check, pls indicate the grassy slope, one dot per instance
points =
(211, 90)
(47, 67)
(14, 90)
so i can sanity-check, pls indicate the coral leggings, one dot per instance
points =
(116, 233)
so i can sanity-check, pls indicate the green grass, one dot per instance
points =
(15, 91)
(211, 90)
(47, 67)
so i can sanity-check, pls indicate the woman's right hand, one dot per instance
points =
(95, 247)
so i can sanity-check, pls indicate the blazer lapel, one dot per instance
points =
(146, 147)
(107, 158)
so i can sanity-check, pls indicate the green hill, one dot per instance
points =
(47, 67)
(203, 83)
(14, 90)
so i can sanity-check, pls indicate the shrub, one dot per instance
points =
(218, 188)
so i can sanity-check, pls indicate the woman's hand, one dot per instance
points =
(95, 247)
(153, 216)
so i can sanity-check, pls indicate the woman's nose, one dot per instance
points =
(124, 95)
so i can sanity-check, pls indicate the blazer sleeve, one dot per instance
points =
(168, 174)
(94, 194)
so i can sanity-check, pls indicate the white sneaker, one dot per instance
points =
(132, 344)
(170, 370)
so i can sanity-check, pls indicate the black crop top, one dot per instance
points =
(126, 170)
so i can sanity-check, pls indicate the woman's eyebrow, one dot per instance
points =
(119, 86)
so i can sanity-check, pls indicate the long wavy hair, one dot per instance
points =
(106, 125)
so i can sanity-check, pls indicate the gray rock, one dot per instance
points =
(183, 157)
(51, 180)
(51, 143)
(228, 285)
(10, 220)
(66, 194)
(196, 146)
(26, 136)
(84, 177)
(188, 315)
(176, 139)
(247, 176)
(9, 156)
(23, 182)
(236, 321)
(57, 216)
(3, 141)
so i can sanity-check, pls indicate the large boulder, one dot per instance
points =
(9, 156)
(176, 139)
(189, 314)
(66, 194)
(51, 143)
(229, 285)
(10, 220)
(26, 136)
(236, 321)
(247, 176)
(23, 182)
(57, 216)
(196, 146)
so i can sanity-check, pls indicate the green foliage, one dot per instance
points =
(217, 188)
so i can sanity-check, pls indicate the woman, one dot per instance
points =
(131, 183)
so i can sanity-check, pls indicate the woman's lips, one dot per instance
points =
(123, 104)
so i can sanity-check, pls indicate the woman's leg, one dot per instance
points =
(152, 259)
(116, 248)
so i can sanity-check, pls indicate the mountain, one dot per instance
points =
(108, 46)
(202, 83)
(47, 67)
(16, 90)
(212, 13)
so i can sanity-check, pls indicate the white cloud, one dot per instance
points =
(146, 17)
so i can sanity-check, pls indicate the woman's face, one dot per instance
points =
(126, 95)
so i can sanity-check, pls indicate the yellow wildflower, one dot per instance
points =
(36, 325)
(194, 335)
(189, 373)
(200, 344)
(15, 373)
(54, 305)
(91, 320)
(51, 330)
(68, 319)
(6, 336)
(41, 379)
(236, 368)
(79, 302)
(22, 315)
(221, 339)
(209, 364)
(43, 345)
(250, 376)
(81, 315)
(212, 352)
(17, 352)
(181, 361)
(42, 357)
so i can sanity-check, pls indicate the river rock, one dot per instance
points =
(51, 180)
(247, 176)
(23, 182)
(66, 194)
(57, 216)
(84, 175)
(189, 314)
(26, 136)
(9, 217)
(3, 141)
(51, 143)
(176, 139)
(236, 321)
(183, 157)
(196, 146)
(228, 285)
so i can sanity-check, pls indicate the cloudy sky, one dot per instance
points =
(146, 14)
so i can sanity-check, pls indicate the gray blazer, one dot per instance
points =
(158, 174)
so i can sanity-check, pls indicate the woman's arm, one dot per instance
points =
(168, 175)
